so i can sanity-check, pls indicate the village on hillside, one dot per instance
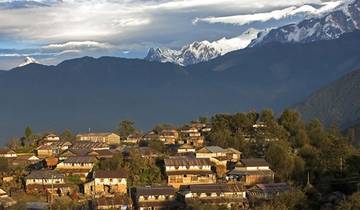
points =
(166, 168)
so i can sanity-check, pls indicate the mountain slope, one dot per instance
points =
(27, 61)
(198, 52)
(331, 25)
(97, 93)
(337, 103)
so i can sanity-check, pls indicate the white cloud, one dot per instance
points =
(77, 45)
(68, 28)
(272, 15)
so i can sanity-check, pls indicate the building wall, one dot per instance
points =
(109, 139)
(116, 186)
(44, 181)
(258, 179)
(178, 180)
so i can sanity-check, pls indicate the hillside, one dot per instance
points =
(338, 103)
(97, 93)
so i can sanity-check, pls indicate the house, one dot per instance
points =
(62, 145)
(108, 138)
(117, 202)
(169, 136)
(151, 136)
(51, 138)
(80, 166)
(267, 191)
(107, 182)
(101, 154)
(25, 160)
(7, 153)
(133, 138)
(74, 153)
(192, 136)
(252, 171)
(231, 195)
(44, 177)
(188, 170)
(47, 151)
(217, 155)
(233, 155)
(203, 127)
(186, 149)
(47, 181)
(5, 200)
(148, 152)
(88, 145)
(211, 152)
(3, 193)
(159, 197)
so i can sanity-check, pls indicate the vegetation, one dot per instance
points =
(140, 171)
(295, 150)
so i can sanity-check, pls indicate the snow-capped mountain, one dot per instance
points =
(27, 61)
(330, 25)
(201, 51)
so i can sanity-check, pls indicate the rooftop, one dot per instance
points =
(45, 174)
(84, 159)
(212, 149)
(110, 174)
(216, 188)
(160, 190)
(6, 151)
(271, 188)
(254, 162)
(186, 161)
(96, 134)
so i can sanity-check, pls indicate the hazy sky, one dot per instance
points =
(54, 30)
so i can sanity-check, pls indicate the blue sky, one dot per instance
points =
(55, 30)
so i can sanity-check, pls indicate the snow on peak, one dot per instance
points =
(331, 22)
(28, 60)
(202, 51)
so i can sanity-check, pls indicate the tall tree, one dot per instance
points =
(28, 132)
(126, 127)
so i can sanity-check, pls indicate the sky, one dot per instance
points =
(55, 30)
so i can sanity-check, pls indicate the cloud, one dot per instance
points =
(77, 45)
(67, 28)
(272, 15)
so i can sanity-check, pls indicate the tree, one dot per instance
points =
(126, 127)
(294, 200)
(67, 135)
(317, 134)
(4, 165)
(279, 157)
(28, 132)
(14, 144)
(352, 203)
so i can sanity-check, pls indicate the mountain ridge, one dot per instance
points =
(100, 92)
(201, 51)
(331, 25)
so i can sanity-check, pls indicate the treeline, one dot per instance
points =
(313, 158)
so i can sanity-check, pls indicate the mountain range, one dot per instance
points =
(198, 52)
(323, 26)
(98, 93)
(331, 25)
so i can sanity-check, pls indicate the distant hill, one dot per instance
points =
(338, 102)
(97, 93)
